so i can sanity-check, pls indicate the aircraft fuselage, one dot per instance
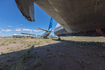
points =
(74, 15)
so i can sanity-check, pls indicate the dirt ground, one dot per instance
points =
(69, 53)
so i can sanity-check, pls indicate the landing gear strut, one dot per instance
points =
(59, 38)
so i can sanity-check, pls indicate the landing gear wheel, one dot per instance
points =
(59, 38)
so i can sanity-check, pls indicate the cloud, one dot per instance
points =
(42, 32)
(21, 24)
(18, 29)
(36, 30)
(27, 30)
(0, 31)
(8, 30)
(9, 26)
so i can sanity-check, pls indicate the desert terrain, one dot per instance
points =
(69, 53)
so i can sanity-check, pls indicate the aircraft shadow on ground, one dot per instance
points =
(51, 53)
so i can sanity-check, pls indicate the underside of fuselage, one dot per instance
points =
(78, 17)
(60, 31)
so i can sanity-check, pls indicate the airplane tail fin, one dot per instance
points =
(43, 29)
(50, 25)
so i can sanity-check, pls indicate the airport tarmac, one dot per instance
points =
(69, 53)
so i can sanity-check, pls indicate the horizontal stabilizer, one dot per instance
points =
(43, 29)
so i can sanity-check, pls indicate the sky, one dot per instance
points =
(13, 22)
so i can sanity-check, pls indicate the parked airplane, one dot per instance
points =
(47, 33)
(78, 17)
(17, 36)
(60, 31)
(23, 35)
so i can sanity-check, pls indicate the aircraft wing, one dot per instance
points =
(43, 29)
(27, 8)
(28, 34)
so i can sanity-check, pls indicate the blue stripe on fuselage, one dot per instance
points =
(50, 27)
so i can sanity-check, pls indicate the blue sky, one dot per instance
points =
(13, 22)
